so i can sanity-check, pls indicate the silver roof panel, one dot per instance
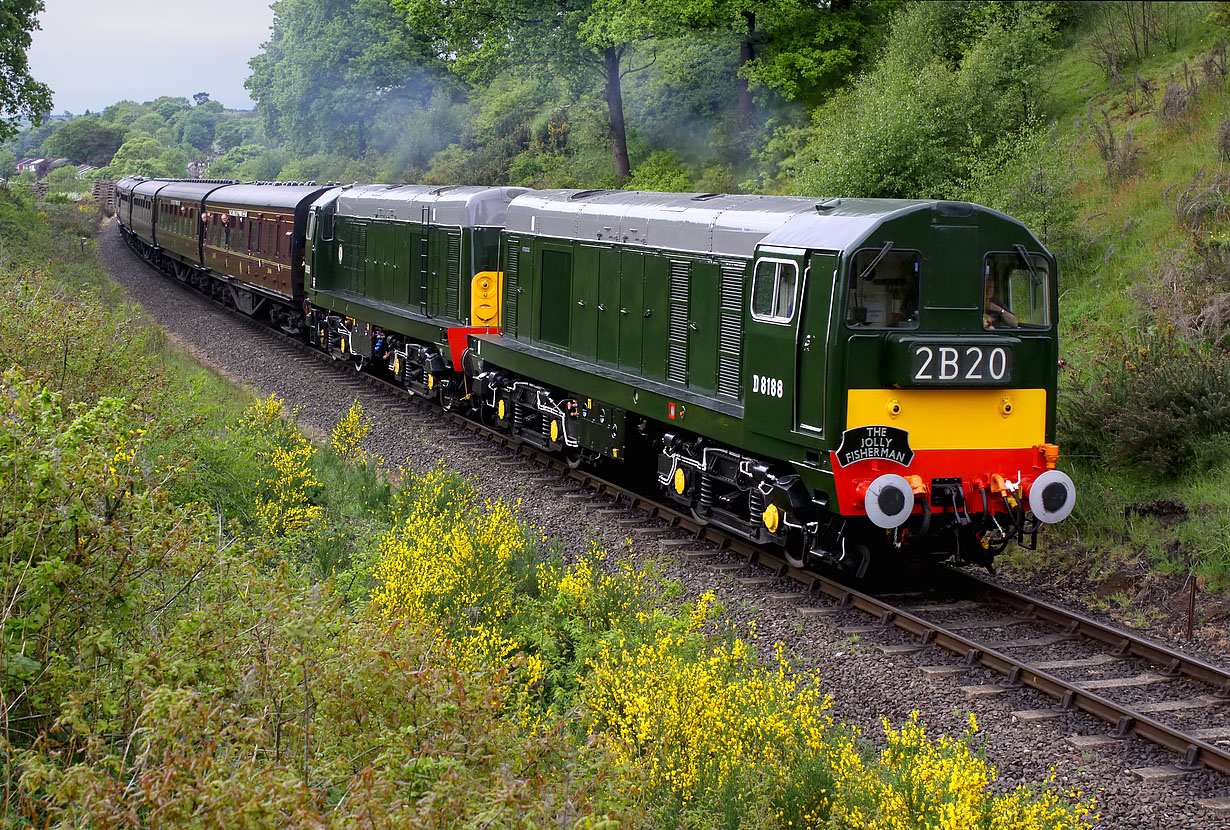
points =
(454, 206)
(721, 225)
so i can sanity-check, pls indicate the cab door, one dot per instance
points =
(815, 323)
(772, 328)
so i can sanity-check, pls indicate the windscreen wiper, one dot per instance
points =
(883, 251)
(1029, 263)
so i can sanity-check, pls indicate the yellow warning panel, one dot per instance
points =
(954, 419)
(485, 291)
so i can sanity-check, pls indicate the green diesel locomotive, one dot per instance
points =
(842, 377)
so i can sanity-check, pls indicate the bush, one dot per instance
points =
(912, 126)
(662, 171)
(1028, 175)
(1157, 402)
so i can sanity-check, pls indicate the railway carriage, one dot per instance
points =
(254, 235)
(241, 243)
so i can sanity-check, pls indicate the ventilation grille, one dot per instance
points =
(354, 257)
(509, 312)
(730, 333)
(452, 287)
(677, 345)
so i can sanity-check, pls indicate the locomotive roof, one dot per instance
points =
(726, 225)
(265, 195)
(455, 206)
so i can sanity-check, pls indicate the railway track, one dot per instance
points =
(1024, 641)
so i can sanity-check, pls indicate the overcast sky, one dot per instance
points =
(94, 53)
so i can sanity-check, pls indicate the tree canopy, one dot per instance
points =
(21, 97)
(586, 41)
(335, 74)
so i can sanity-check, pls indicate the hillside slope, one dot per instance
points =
(1133, 174)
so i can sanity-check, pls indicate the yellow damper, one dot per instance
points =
(500, 410)
(554, 432)
(485, 291)
(681, 481)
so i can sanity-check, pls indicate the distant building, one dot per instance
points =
(82, 169)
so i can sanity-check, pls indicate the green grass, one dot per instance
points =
(1133, 240)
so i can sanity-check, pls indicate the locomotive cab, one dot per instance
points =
(945, 350)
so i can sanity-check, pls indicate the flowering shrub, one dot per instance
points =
(349, 434)
(690, 728)
(284, 506)
(699, 724)
(448, 563)
(921, 782)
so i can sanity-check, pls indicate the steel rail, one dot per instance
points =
(1125, 643)
(1127, 722)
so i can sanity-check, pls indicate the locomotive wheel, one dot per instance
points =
(699, 517)
(788, 551)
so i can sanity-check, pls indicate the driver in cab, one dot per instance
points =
(995, 313)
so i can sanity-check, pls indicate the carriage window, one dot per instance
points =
(1016, 291)
(883, 289)
(773, 290)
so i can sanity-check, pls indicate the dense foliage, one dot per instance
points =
(22, 98)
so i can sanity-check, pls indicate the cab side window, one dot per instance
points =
(774, 286)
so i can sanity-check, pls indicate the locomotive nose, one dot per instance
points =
(1052, 496)
(889, 501)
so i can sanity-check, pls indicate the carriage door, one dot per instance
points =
(815, 319)
(769, 355)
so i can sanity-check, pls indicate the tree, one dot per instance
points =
(143, 155)
(21, 97)
(89, 140)
(334, 72)
(166, 106)
(794, 48)
(195, 127)
(587, 38)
